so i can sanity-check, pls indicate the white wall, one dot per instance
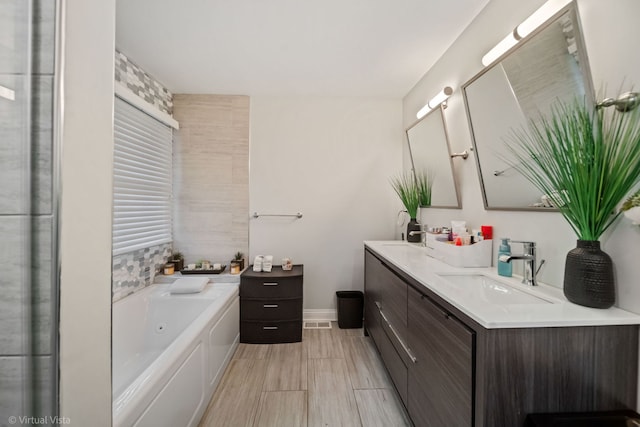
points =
(610, 35)
(330, 159)
(87, 153)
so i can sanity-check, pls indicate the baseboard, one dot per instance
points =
(320, 315)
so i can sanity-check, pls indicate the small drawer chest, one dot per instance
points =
(271, 306)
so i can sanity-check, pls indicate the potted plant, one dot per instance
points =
(177, 259)
(406, 188)
(238, 259)
(588, 161)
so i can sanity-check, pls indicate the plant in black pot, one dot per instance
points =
(177, 259)
(406, 188)
(238, 258)
(586, 161)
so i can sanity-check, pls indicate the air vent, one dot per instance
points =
(317, 325)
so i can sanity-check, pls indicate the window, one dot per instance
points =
(142, 180)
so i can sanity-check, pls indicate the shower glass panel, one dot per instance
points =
(28, 212)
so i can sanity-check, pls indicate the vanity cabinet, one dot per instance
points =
(441, 378)
(451, 371)
(386, 320)
(271, 306)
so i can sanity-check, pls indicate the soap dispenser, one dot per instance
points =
(504, 268)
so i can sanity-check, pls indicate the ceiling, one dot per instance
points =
(378, 48)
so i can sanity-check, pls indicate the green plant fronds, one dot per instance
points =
(406, 188)
(424, 183)
(589, 160)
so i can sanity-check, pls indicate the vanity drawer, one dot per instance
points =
(270, 332)
(270, 309)
(271, 287)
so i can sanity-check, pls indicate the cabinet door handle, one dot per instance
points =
(402, 344)
(270, 284)
(270, 305)
(271, 328)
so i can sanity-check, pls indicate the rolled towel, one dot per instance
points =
(257, 263)
(188, 285)
(267, 263)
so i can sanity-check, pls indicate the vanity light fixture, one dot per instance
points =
(529, 25)
(441, 97)
(7, 93)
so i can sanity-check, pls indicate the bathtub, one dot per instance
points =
(169, 353)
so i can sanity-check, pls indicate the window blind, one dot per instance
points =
(142, 180)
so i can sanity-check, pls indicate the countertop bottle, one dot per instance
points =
(504, 268)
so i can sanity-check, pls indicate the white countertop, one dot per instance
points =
(414, 261)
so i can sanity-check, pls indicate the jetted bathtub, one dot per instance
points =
(169, 353)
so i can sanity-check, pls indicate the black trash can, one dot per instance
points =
(350, 304)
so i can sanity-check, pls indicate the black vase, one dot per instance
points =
(588, 276)
(413, 226)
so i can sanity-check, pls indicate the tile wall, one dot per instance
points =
(135, 270)
(142, 84)
(211, 177)
(27, 217)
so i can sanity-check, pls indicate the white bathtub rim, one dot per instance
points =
(140, 393)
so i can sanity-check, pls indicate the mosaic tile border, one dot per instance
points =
(142, 84)
(136, 270)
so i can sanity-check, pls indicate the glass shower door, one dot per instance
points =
(28, 218)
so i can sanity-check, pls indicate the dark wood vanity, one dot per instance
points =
(271, 306)
(451, 371)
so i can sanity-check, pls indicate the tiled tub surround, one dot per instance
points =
(27, 219)
(142, 84)
(211, 176)
(135, 270)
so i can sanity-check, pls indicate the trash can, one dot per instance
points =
(622, 418)
(350, 304)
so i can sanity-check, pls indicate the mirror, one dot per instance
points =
(429, 150)
(548, 65)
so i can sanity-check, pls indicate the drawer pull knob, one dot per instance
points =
(270, 305)
(270, 284)
(269, 327)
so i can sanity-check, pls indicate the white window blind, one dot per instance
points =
(142, 183)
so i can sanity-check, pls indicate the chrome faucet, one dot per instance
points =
(530, 261)
(423, 238)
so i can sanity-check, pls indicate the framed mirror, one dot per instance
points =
(547, 66)
(429, 150)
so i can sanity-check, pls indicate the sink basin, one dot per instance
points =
(486, 289)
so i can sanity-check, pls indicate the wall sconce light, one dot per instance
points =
(529, 25)
(7, 93)
(441, 97)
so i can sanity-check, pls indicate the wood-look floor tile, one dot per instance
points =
(322, 344)
(235, 401)
(287, 369)
(380, 408)
(282, 409)
(252, 351)
(363, 364)
(331, 398)
(335, 329)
